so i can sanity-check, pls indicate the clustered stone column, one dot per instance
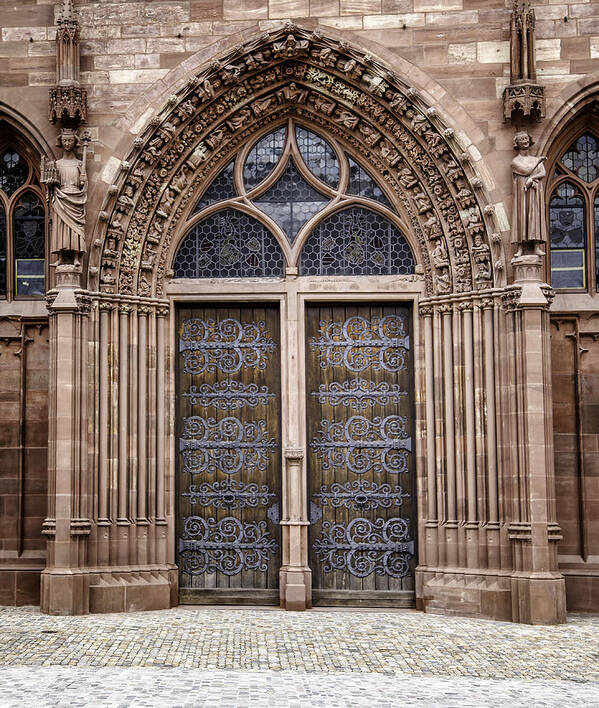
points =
(465, 554)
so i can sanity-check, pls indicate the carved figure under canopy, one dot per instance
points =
(529, 231)
(67, 183)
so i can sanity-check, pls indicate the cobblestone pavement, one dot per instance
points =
(262, 657)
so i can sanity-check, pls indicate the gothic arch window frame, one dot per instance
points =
(10, 138)
(589, 193)
(338, 198)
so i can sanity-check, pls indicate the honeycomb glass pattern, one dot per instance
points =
(3, 237)
(582, 158)
(356, 241)
(362, 185)
(29, 245)
(229, 244)
(263, 158)
(318, 155)
(220, 189)
(291, 201)
(567, 237)
(13, 171)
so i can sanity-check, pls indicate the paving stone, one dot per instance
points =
(261, 657)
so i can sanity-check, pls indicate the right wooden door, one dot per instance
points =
(359, 379)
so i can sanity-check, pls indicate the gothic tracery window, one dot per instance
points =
(574, 215)
(22, 224)
(294, 192)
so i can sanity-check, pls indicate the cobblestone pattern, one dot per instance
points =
(317, 641)
(60, 686)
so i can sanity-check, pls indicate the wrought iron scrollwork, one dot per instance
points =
(230, 494)
(359, 343)
(364, 547)
(363, 445)
(359, 394)
(227, 546)
(225, 345)
(226, 445)
(361, 494)
(229, 395)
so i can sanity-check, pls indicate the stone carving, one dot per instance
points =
(524, 96)
(68, 100)
(528, 213)
(67, 185)
(393, 120)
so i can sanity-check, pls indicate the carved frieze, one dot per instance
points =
(330, 85)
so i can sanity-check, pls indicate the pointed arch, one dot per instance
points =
(23, 233)
(339, 91)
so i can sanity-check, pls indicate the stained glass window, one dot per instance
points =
(3, 240)
(288, 175)
(263, 157)
(356, 241)
(582, 158)
(291, 201)
(362, 185)
(567, 237)
(29, 236)
(318, 155)
(13, 171)
(220, 189)
(229, 244)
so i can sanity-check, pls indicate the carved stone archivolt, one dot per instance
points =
(323, 83)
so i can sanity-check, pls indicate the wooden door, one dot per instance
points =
(228, 454)
(360, 457)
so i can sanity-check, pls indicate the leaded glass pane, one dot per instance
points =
(567, 237)
(318, 155)
(29, 227)
(220, 189)
(291, 201)
(362, 185)
(263, 157)
(3, 237)
(13, 171)
(356, 241)
(582, 158)
(229, 244)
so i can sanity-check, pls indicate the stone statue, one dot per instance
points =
(67, 184)
(529, 231)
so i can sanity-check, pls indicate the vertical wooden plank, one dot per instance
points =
(374, 376)
(213, 414)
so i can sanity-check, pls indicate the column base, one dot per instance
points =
(538, 600)
(465, 594)
(64, 592)
(68, 592)
(295, 588)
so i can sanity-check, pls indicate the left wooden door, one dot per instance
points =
(228, 452)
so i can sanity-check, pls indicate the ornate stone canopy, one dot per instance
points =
(324, 83)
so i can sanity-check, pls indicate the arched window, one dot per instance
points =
(293, 192)
(22, 222)
(574, 215)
